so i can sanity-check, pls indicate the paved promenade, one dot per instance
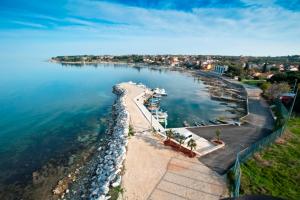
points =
(154, 171)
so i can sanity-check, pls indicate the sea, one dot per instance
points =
(49, 111)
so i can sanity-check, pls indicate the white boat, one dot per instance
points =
(161, 115)
(162, 120)
(153, 108)
(159, 91)
(157, 95)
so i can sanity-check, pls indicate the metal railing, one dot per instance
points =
(245, 154)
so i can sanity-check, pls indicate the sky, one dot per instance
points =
(224, 27)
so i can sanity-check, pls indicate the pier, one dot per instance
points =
(139, 101)
(155, 171)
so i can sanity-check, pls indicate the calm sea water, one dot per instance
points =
(46, 107)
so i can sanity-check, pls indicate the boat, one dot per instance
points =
(153, 100)
(222, 121)
(162, 120)
(149, 104)
(159, 91)
(212, 121)
(186, 124)
(157, 95)
(197, 123)
(153, 108)
(162, 115)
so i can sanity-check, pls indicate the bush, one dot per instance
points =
(114, 192)
(275, 90)
(131, 131)
(265, 86)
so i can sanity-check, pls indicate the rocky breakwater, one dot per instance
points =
(109, 167)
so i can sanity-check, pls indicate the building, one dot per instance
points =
(220, 69)
(293, 68)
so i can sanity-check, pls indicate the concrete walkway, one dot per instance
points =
(154, 171)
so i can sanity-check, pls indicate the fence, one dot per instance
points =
(243, 155)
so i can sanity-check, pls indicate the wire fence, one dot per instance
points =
(245, 154)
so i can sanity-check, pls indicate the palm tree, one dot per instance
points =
(169, 134)
(192, 144)
(181, 139)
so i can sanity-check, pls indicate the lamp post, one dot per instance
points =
(151, 96)
(291, 110)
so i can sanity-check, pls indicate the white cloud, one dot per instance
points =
(258, 22)
(254, 30)
(30, 24)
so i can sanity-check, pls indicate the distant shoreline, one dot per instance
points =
(112, 62)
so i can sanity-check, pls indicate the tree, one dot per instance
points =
(279, 77)
(265, 86)
(274, 69)
(181, 139)
(276, 89)
(235, 70)
(289, 77)
(218, 133)
(247, 66)
(192, 144)
(264, 68)
(169, 134)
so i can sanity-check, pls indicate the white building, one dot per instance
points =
(220, 69)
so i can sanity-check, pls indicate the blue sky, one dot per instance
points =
(230, 27)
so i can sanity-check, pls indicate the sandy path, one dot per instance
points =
(153, 171)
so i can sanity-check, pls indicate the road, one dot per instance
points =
(259, 123)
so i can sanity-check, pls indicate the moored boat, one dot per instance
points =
(186, 124)
(159, 91)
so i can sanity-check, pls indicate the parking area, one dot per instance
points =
(258, 124)
(236, 138)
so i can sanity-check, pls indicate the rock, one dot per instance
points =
(35, 178)
(109, 165)
(102, 197)
(95, 192)
(117, 182)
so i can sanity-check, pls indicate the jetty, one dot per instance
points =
(155, 171)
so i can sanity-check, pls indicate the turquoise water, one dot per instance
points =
(45, 107)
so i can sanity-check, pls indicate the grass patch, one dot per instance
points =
(253, 82)
(114, 192)
(276, 170)
(131, 131)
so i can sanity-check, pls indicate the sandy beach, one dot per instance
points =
(154, 171)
